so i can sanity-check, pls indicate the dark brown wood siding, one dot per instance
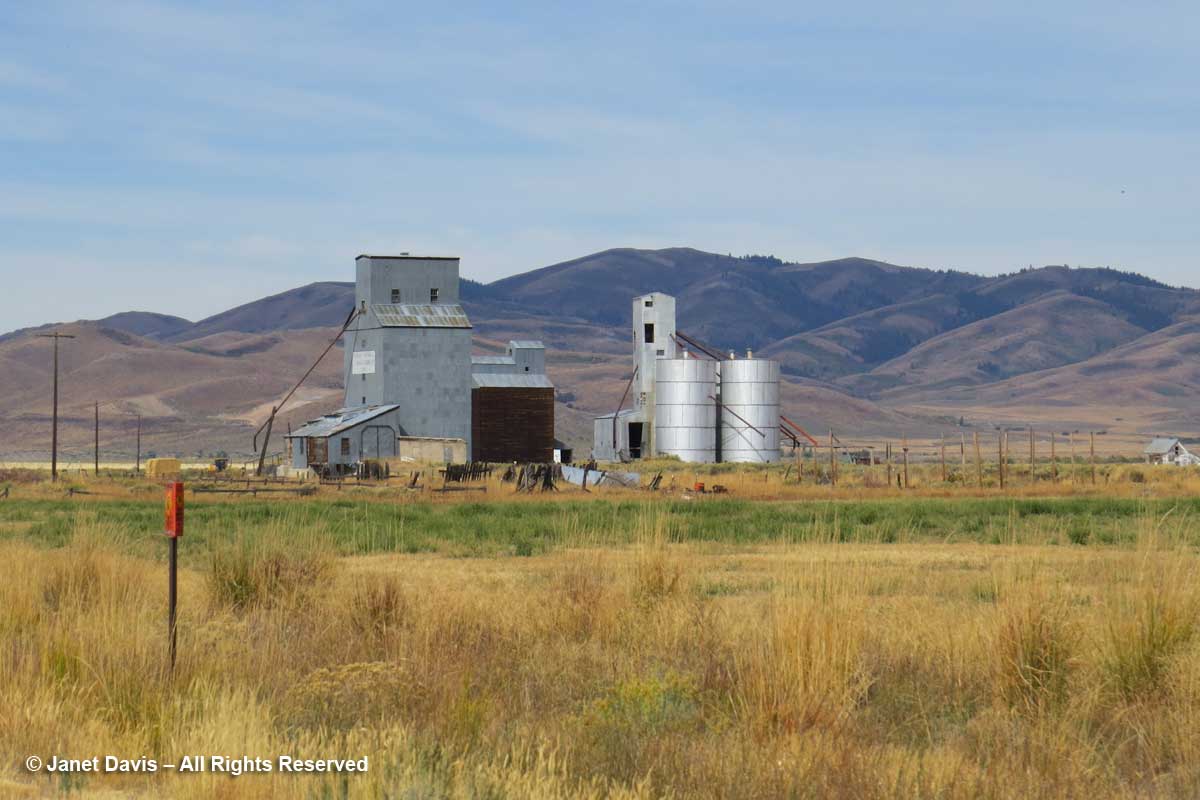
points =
(512, 424)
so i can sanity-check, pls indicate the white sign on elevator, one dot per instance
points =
(363, 363)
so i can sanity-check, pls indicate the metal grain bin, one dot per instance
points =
(685, 414)
(750, 410)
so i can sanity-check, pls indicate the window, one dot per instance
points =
(395, 295)
(649, 333)
(527, 369)
(433, 295)
(345, 445)
(364, 402)
(649, 304)
(658, 352)
(364, 377)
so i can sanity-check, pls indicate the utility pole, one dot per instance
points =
(1032, 457)
(54, 419)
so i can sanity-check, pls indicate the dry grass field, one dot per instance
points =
(787, 641)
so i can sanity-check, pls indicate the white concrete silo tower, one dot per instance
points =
(653, 338)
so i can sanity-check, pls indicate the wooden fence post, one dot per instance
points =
(978, 461)
(1071, 442)
(1093, 456)
(1032, 457)
(1000, 454)
(943, 458)
(1053, 457)
(832, 461)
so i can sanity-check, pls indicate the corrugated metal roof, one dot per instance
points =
(519, 381)
(526, 344)
(332, 424)
(493, 360)
(1160, 447)
(408, 315)
(628, 412)
(408, 257)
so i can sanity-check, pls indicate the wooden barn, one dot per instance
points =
(512, 418)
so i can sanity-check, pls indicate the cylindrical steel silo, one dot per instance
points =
(750, 410)
(685, 414)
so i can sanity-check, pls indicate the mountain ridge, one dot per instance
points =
(856, 336)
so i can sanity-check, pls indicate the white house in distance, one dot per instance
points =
(1169, 451)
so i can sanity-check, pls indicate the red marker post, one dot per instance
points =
(173, 529)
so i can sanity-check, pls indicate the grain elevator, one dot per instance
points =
(690, 402)
(410, 377)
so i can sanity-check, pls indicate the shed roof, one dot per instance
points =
(410, 315)
(628, 412)
(493, 360)
(1160, 446)
(526, 344)
(335, 423)
(520, 380)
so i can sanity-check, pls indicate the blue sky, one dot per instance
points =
(184, 158)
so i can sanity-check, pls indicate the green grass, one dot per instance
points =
(527, 528)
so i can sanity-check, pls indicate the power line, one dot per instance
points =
(54, 420)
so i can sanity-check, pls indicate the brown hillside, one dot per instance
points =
(1049, 332)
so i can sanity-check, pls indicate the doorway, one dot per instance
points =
(635, 440)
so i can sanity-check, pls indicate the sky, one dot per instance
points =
(188, 157)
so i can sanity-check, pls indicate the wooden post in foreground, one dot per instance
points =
(888, 456)
(905, 445)
(173, 530)
(96, 466)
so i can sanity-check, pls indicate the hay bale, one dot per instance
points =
(163, 468)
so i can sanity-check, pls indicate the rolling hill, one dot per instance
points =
(865, 345)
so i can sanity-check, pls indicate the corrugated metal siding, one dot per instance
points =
(512, 424)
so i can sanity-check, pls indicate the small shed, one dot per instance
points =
(1167, 450)
(345, 438)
